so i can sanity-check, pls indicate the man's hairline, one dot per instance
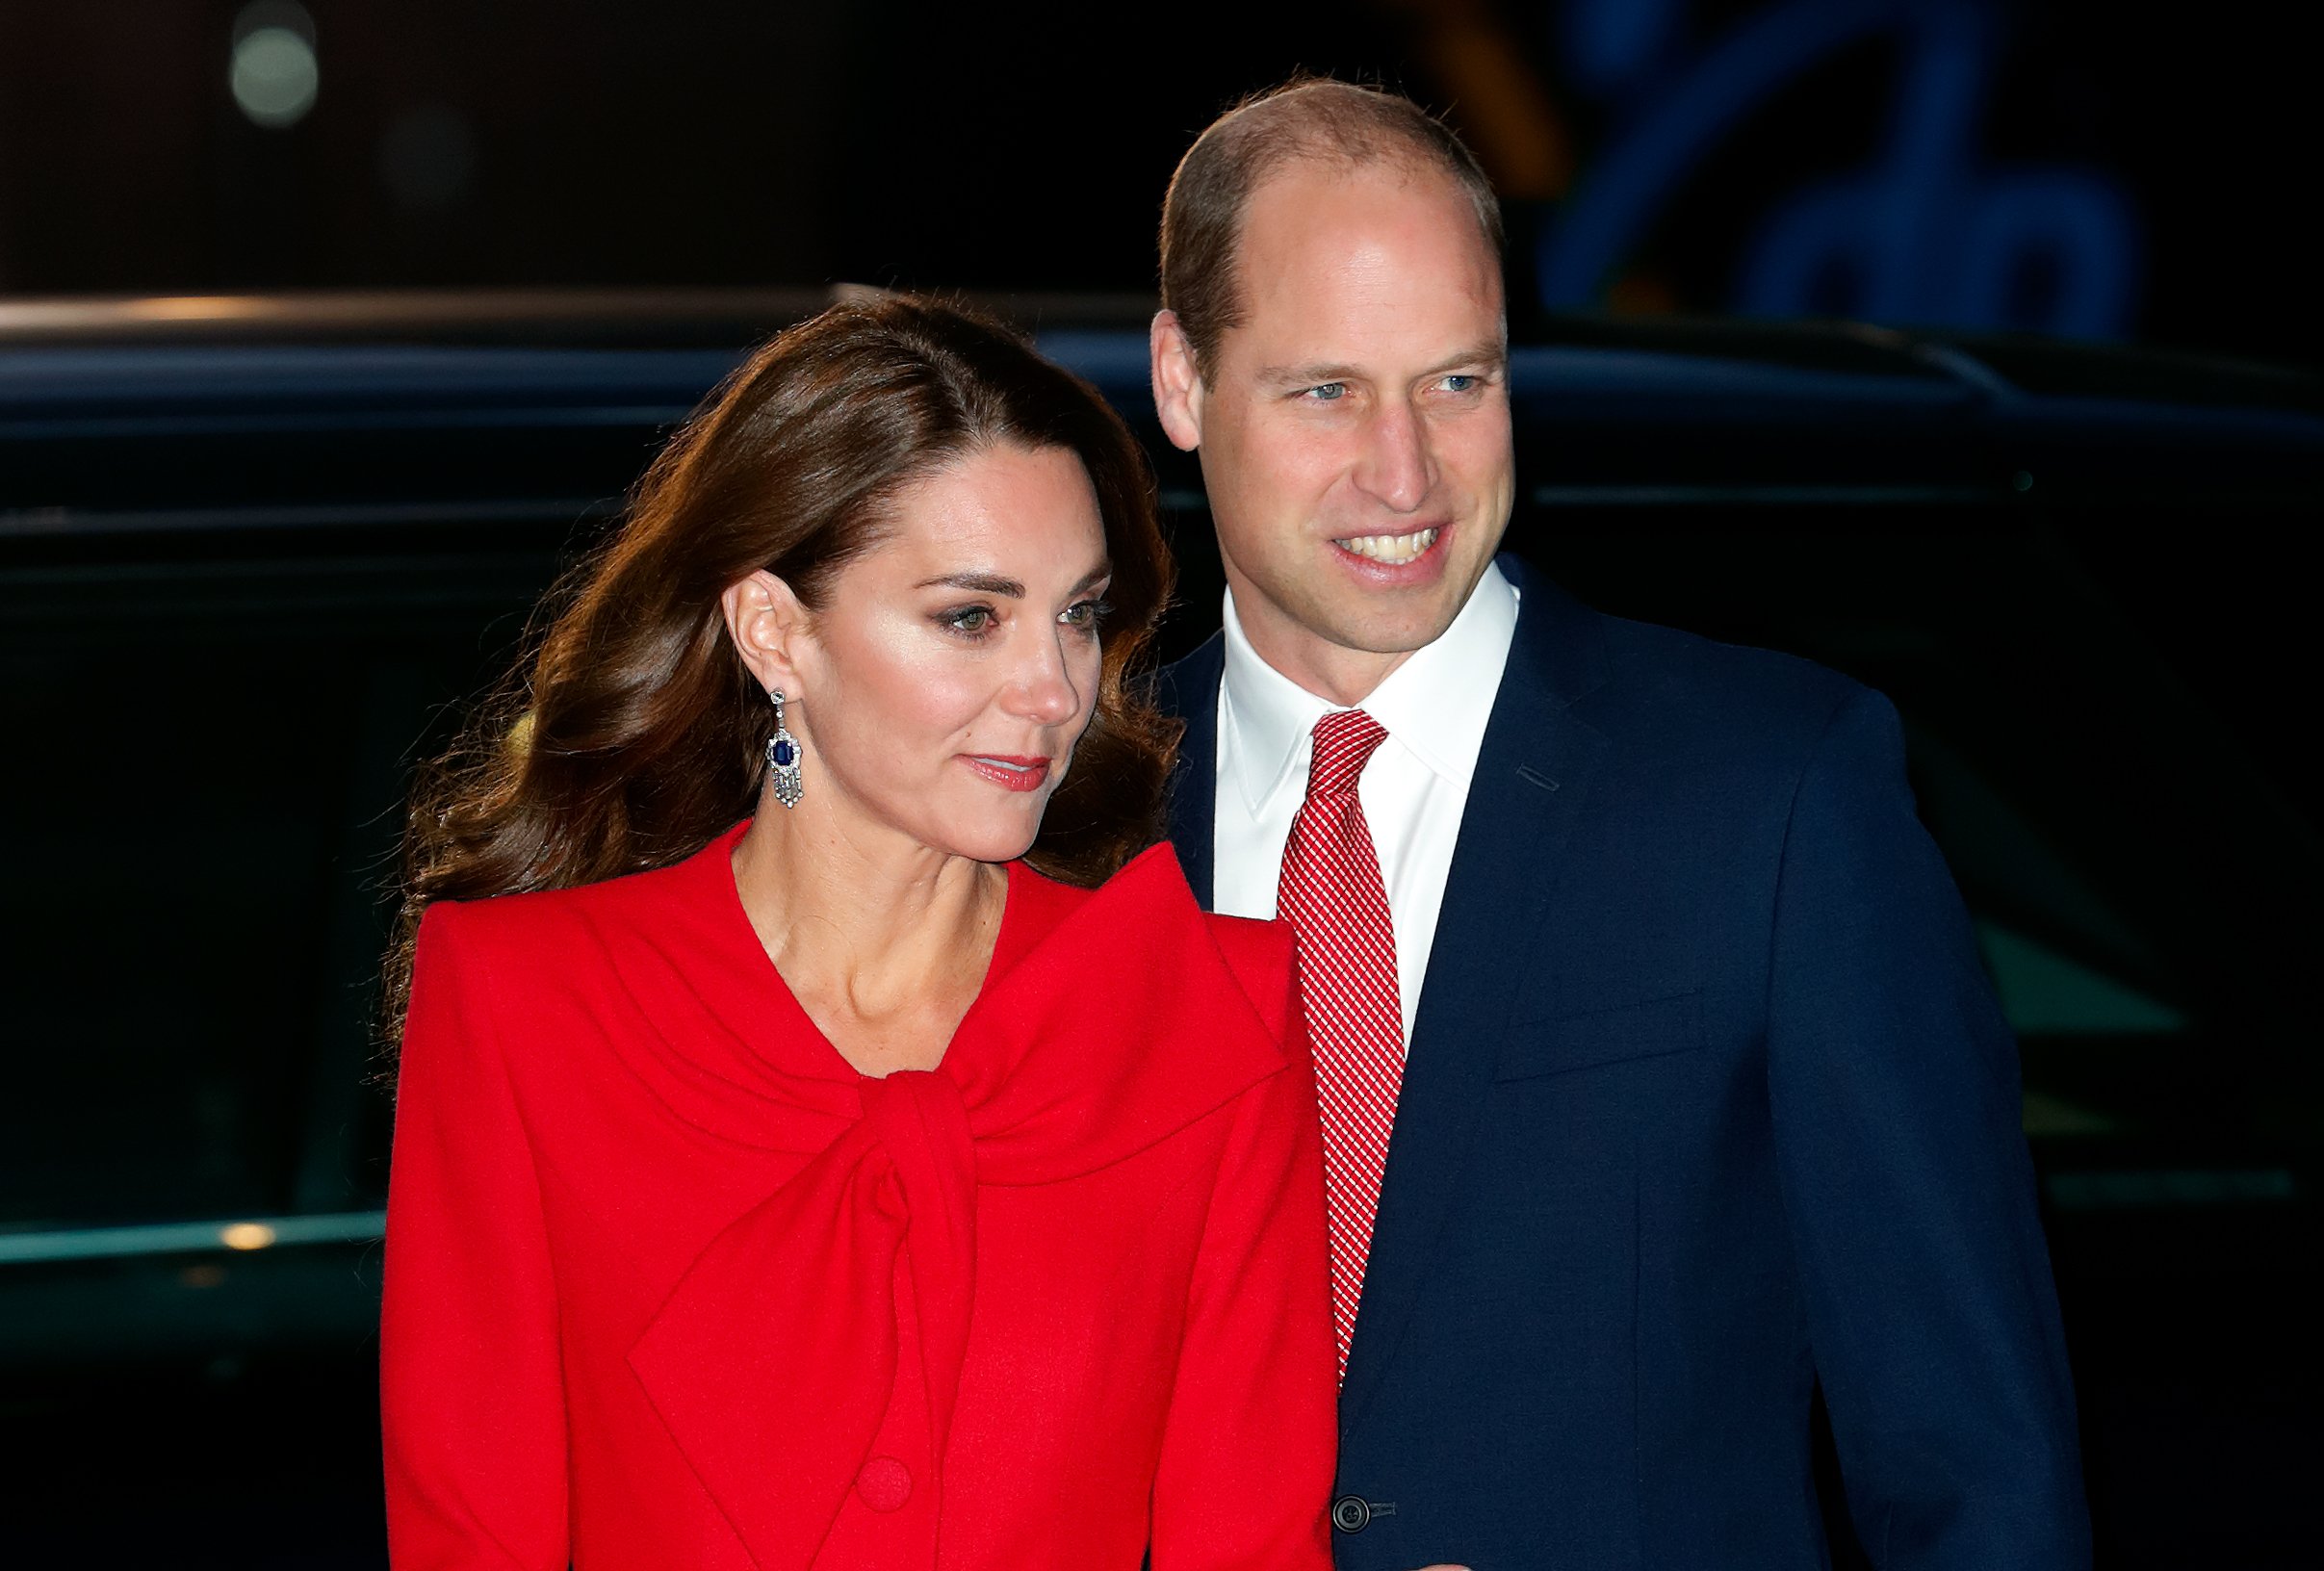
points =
(1413, 162)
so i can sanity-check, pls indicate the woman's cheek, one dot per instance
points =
(950, 694)
(909, 676)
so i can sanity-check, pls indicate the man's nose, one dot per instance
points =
(1396, 467)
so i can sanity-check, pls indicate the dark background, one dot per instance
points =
(2107, 676)
(1025, 147)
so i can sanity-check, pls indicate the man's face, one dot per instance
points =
(1355, 432)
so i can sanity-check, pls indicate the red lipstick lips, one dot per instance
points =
(1012, 774)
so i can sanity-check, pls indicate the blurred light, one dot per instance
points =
(274, 76)
(246, 1235)
(183, 1237)
(427, 157)
(192, 307)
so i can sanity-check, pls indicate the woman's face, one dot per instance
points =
(941, 686)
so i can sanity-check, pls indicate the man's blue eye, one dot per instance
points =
(1461, 382)
(1328, 392)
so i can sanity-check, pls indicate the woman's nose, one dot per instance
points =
(1044, 688)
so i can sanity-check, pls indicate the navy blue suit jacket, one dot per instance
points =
(1708, 1100)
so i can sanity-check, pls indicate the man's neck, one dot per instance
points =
(1331, 671)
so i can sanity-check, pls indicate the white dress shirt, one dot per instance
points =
(1413, 789)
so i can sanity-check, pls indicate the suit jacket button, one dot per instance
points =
(884, 1483)
(1350, 1513)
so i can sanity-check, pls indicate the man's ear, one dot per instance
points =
(1177, 383)
(769, 626)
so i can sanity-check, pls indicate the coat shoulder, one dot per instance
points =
(1258, 954)
(1691, 692)
(543, 945)
(503, 923)
(1186, 679)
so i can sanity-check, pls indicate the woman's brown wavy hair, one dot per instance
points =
(632, 734)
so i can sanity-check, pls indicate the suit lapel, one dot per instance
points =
(1531, 779)
(1189, 689)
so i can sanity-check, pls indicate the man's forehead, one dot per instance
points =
(1331, 280)
(1313, 217)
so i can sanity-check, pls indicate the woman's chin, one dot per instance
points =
(1003, 841)
(998, 847)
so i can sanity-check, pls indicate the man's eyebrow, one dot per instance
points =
(1486, 351)
(1307, 375)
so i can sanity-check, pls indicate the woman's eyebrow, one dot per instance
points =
(982, 584)
(992, 583)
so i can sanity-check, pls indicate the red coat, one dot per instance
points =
(670, 1285)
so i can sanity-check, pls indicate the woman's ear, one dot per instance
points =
(767, 624)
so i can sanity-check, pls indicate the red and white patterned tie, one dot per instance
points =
(1335, 899)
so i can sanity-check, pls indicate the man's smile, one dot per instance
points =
(1393, 550)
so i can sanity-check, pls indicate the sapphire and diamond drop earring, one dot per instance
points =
(783, 756)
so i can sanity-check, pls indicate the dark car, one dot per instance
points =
(255, 554)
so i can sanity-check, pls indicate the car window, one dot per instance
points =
(208, 757)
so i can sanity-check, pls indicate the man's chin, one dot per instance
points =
(1309, 634)
(1391, 625)
(1378, 635)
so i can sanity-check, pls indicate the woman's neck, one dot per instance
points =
(883, 941)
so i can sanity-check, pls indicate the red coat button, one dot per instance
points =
(885, 1483)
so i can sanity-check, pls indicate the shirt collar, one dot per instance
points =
(1436, 705)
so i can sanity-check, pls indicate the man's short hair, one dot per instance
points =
(1313, 119)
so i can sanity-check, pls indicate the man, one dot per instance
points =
(1698, 1098)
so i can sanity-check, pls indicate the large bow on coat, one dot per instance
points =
(775, 1359)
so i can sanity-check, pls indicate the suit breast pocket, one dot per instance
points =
(1561, 1042)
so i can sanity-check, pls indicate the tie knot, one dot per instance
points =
(1344, 741)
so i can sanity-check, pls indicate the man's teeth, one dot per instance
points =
(1392, 549)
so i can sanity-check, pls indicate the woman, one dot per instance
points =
(836, 1188)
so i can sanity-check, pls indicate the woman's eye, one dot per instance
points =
(1084, 613)
(968, 619)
